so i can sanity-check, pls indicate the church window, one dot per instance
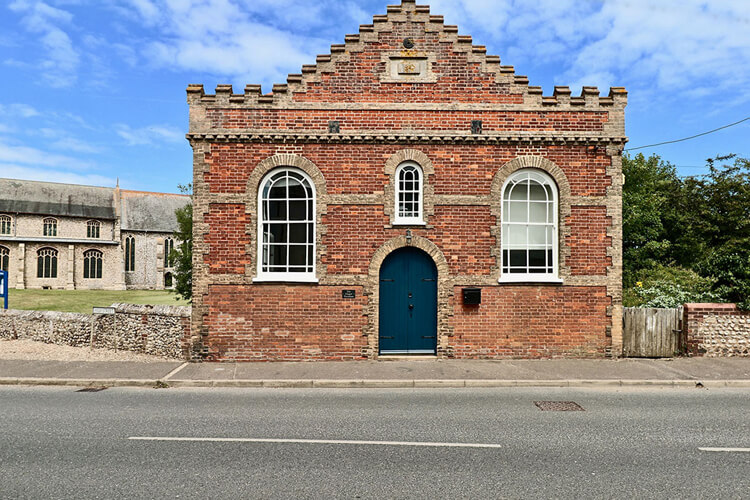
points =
(129, 254)
(92, 264)
(4, 259)
(5, 224)
(46, 266)
(168, 249)
(50, 226)
(93, 229)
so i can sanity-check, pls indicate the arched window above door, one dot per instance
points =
(409, 194)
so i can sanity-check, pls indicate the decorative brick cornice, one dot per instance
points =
(378, 138)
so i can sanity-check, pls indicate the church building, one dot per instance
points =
(73, 237)
(407, 195)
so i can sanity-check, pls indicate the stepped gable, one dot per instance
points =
(407, 60)
(374, 65)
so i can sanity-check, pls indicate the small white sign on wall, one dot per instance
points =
(104, 310)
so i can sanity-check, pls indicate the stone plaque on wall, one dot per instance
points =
(409, 66)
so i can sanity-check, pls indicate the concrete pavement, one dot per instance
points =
(681, 372)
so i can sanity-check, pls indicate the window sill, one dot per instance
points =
(522, 279)
(286, 279)
(415, 222)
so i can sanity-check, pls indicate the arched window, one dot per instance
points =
(168, 249)
(168, 281)
(46, 264)
(409, 194)
(92, 264)
(50, 226)
(4, 259)
(129, 254)
(286, 226)
(93, 229)
(5, 224)
(529, 221)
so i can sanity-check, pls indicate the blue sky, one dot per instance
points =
(93, 90)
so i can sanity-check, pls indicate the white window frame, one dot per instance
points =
(553, 277)
(288, 277)
(417, 220)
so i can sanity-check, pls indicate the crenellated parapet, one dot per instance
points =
(505, 89)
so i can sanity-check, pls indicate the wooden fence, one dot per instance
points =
(652, 333)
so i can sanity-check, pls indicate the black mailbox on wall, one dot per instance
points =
(472, 296)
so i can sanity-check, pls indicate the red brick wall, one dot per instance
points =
(355, 232)
(532, 321)
(227, 239)
(579, 136)
(384, 120)
(277, 322)
(359, 168)
(588, 241)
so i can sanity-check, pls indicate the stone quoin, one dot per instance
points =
(342, 215)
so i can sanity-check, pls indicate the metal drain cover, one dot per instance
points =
(92, 389)
(558, 406)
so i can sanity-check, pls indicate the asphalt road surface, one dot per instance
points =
(452, 443)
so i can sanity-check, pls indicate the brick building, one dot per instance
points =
(67, 236)
(363, 208)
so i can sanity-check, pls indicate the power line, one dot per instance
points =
(691, 137)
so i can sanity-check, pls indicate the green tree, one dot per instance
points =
(649, 194)
(723, 198)
(673, 226)
(183, 252)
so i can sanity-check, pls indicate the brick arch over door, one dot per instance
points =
(251, 206)
(564, 200)
(445, 290)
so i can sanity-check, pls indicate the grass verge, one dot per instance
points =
(82, 301)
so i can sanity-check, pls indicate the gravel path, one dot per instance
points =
(30, 350)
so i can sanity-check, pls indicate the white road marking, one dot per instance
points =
(175, 371)
(729, 450)
(317, 441)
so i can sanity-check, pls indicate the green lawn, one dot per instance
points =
(82, 301)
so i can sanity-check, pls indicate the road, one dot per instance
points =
(645, 443)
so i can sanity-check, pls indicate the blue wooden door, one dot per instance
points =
(408, 303)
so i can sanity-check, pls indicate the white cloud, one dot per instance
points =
(25, 155)
(677, 46)
(61, 140)
(14, 171)
(18, 110)
(60, 64)
(240, 41)
(153, 134)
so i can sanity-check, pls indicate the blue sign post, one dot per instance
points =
(4, 288)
